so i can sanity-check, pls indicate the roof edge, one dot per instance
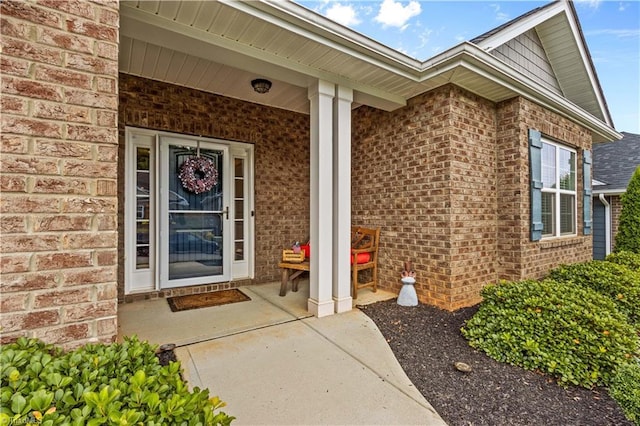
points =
(305, 21)
(489, 66)
(615, 191)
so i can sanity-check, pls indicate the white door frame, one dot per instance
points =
(147, 279)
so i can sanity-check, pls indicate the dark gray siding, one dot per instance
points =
(599, 230)
(526, 54)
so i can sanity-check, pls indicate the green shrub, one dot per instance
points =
(625, 258)
(618, 282)
(121, 383)
(625, 389)
(628, 235)
(568, 331)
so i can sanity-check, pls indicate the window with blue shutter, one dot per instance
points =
(554, 189)
(586, 205)
(535, 167)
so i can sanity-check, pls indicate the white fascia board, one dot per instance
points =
(530, 22)
(521, 26)
(150, 28)
(608, 191)
(326, 32)
(482, 63)
(162, 32)
(586, 62)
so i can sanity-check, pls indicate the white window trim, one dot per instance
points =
(558, 191)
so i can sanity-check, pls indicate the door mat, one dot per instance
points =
(206, 300)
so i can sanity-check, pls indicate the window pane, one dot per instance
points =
(548, 202)
(239, 225)
(548, 165)
(567, 214)
(142, 232)
(239, 209)
(239, 248)
(239, 183)
(143, 213)
(239, 167)
(142, 158)
(567, 170)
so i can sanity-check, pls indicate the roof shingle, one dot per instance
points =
(615, 162)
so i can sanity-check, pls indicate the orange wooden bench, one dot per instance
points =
(290, 272)
(364, 256)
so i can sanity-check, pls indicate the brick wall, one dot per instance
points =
(59, 170)
(426, 175)
(447, 180)
(281, 140)
(521, 257)
(474, 204)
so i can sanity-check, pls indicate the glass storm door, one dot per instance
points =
(194, 220)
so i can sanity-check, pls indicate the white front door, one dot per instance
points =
(189, 211)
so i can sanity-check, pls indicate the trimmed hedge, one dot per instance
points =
(121, 383)
(625, 389)
(617, 282)
(628, 235)
(571, 332)
(625, 258)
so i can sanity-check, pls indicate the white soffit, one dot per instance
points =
(235, 39)
(220, 46)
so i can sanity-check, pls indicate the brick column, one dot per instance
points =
(58, 207)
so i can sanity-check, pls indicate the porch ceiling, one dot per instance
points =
(220, 46)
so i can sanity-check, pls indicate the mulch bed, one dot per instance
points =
(166, 357)
(427, 342)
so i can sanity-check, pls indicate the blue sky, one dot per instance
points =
(421, 29)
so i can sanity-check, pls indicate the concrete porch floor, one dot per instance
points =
(273, 363)
(152, 320)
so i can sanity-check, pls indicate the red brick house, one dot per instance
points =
(473, 163)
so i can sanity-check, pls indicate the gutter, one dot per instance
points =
(609, 191)
(484, 64)
(316, 27)
(311, 26)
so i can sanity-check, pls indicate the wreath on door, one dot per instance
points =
(198, 175)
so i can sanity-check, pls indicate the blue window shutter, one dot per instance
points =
(535, 167)
(586, 205)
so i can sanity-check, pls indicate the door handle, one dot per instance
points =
(226, 212)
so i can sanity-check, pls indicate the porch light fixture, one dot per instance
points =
(261, 85)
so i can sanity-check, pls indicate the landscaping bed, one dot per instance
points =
(427, 342)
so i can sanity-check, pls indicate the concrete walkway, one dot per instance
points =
(292, 369)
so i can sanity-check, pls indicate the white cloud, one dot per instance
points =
(621, 33)
(394, 14)
(589, 3)
(343, 14)
(424, 37)
(500, 16)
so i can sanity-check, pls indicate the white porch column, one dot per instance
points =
(320, 301)
(342, 199)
